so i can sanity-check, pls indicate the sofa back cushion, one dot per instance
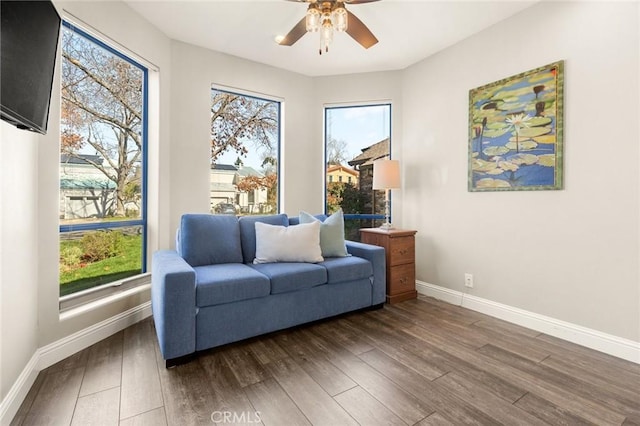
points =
(295, 220)
(248, 232)
(207, 239)
(331, 233)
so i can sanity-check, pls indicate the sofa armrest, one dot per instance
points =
(173, 302)
(376, 256)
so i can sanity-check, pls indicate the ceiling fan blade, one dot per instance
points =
(359, 31)
(295, 34)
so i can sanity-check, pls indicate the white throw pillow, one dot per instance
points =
(299, 243)
(332, 241)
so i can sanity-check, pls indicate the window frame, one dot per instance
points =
(91, 294)
(261, 97)
(326, 108)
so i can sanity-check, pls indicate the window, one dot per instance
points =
(102, 164)
(356, 136)
(245, 148)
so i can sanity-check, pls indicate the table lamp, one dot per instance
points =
(386, 176)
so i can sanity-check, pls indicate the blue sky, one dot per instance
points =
(359, 126)
(253, 158)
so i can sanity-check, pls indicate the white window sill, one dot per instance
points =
(92, 299)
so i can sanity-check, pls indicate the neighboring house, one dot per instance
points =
(84, 190)
(224, 180)
(370, 154)
(340, 173)
(363, 163)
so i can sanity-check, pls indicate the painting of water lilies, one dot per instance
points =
(516, 132)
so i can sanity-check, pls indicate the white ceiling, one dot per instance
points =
(408, 30)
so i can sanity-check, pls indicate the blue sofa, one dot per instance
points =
(208, 292)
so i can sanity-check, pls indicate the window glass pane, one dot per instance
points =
(244, 154)
(356, 136)
(92, 258)
(102, 161)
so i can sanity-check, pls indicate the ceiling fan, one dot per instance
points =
(325, 16)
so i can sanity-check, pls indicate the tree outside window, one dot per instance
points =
(245, 137)
(102, 141)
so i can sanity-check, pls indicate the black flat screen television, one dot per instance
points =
(28, 46)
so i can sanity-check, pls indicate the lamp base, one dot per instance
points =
(387, 226)
(387, 213)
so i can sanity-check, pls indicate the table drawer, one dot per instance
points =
(402, 278)
(402, 250)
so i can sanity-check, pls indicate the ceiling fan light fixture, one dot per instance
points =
(326, 34)
(312, 18)
(327, 16)
(340, 17)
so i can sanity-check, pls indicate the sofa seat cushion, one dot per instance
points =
(229, 282)
(341, 269)
(286, 276)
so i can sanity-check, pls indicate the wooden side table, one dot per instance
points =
(399, 246)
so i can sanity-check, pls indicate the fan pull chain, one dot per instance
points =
(326, 47)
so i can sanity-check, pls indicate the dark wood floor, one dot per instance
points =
(420, 362)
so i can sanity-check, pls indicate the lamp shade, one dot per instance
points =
(386, 174)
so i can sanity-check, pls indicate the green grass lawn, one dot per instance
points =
(126, 264)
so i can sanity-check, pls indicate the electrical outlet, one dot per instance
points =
(468, 280)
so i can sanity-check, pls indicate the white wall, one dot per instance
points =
(193, 71)
(18, 249)
(30, 288)
(573, 254)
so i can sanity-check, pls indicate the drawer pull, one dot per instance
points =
(403, 252)
(403, 280)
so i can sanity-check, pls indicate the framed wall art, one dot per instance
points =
(516, 132)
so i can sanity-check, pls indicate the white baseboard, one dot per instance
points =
(603, 342)
(48, 355)
(18, 392)
(60, 349)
